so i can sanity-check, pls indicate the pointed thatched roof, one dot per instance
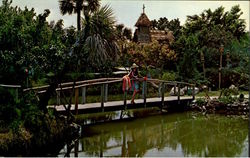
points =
(143, 21)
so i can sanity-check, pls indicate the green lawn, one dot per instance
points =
(217, 93)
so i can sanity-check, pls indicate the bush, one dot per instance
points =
(169, 76)
(227, 100)
(200, 101)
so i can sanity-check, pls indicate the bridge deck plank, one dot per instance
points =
(119, 103)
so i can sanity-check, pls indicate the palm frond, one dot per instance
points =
(97, 48)
(93, 5)
(66, 6)
(100, 43)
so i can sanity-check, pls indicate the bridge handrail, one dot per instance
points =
(36, 88)
(71, 83)
(99, 81)
(10, 86)
(114, 80)
(89, 84)
(88, 81)
(171, 82)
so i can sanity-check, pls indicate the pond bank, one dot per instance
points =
(44, 141)
(228, 106)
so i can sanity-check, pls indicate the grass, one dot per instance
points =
(217, 93)
(210, 93)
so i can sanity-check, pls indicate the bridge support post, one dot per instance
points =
(162, 94)
(58, 100)
(106, 93)
(125, 99)
(174, 88)
(16, 93)
(76, 148)
(83, 95)
(102, 97)
(145, 93)
(193, 92)
(179, 92)
(76, 100)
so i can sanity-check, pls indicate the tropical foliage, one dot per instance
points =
(201, 34)
(206, 33)
(76, 6)
(36, 52)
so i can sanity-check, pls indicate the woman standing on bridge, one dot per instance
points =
(133, 75)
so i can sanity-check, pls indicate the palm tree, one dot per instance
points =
(101, 40)
(76, 6)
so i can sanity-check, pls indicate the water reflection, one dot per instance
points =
(185, 134)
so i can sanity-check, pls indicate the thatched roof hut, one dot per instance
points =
(143, 21)
(144, 33)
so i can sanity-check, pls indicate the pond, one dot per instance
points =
(177, 134)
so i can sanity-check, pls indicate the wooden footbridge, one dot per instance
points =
(79, 87)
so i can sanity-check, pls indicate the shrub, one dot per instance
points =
(200, 101)
(169, 76)
(227, 100)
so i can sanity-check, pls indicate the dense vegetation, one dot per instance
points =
(35, 52)
(201, 35)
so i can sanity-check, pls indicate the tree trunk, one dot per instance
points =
(78, 20)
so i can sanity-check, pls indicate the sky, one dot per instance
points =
(127, 12)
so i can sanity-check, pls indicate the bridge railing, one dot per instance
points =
(105, 82)
(15, 87)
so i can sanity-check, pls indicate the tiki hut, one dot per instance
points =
(144, 34)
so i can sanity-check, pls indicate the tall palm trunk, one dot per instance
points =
(86, 31)
(78, 19)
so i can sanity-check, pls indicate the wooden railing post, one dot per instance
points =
(179, 92)
(76, 100)
(102, 97)
(16, 93)
(162, 94)
(145, 93)
(83, 95)
(125, 99)
(76, 148)
(174, 88)
(193, 92)
(58, 99)
(106, 93)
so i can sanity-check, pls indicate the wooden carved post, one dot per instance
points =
(221, 50)
(162, 94)
(102, 97)
(76, 100)
(106, 93)
(83, 95)
(179, 92)
(145, 93)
